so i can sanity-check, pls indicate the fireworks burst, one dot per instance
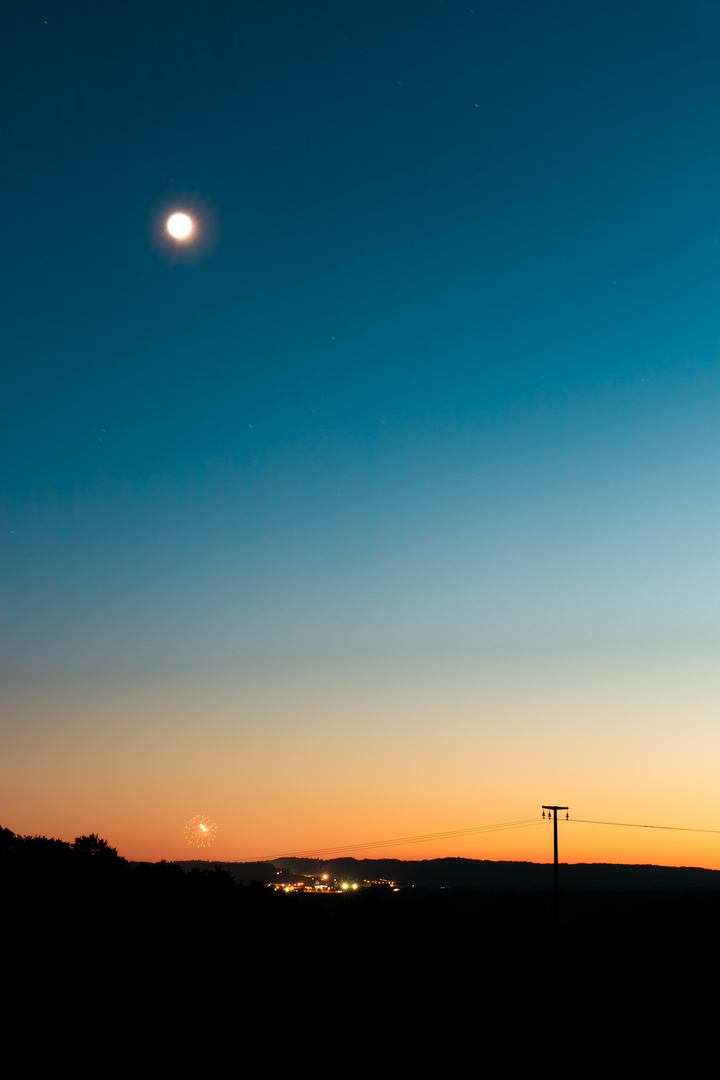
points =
(200, 831)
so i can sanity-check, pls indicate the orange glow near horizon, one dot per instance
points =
(577, 844)
(276, 836)
(288, 772)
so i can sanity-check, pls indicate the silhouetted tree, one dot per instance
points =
(7, 836)
(93, 845)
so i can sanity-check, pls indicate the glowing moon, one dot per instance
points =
(179, 226)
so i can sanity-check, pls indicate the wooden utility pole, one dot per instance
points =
(556, 885)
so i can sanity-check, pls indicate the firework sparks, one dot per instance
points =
(200, 831)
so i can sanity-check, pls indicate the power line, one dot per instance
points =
(522, 824)
(335, 850)
(371, 844)
(633, 825)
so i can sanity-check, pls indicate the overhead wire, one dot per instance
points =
(633, 825)
(330, 850)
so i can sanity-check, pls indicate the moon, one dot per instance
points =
(179, 226)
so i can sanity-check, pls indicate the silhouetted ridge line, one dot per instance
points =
(507, 876)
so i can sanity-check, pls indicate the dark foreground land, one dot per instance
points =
(85, 927)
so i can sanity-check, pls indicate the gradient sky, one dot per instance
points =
(389, 505)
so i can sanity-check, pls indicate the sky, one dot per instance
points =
(386, 505)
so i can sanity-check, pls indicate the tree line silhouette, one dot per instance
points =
(80, 916)
(81, 906)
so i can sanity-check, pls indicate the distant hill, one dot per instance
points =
(480, 873)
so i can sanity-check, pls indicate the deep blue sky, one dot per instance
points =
(440, 375)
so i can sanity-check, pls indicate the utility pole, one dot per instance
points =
(556, 886)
